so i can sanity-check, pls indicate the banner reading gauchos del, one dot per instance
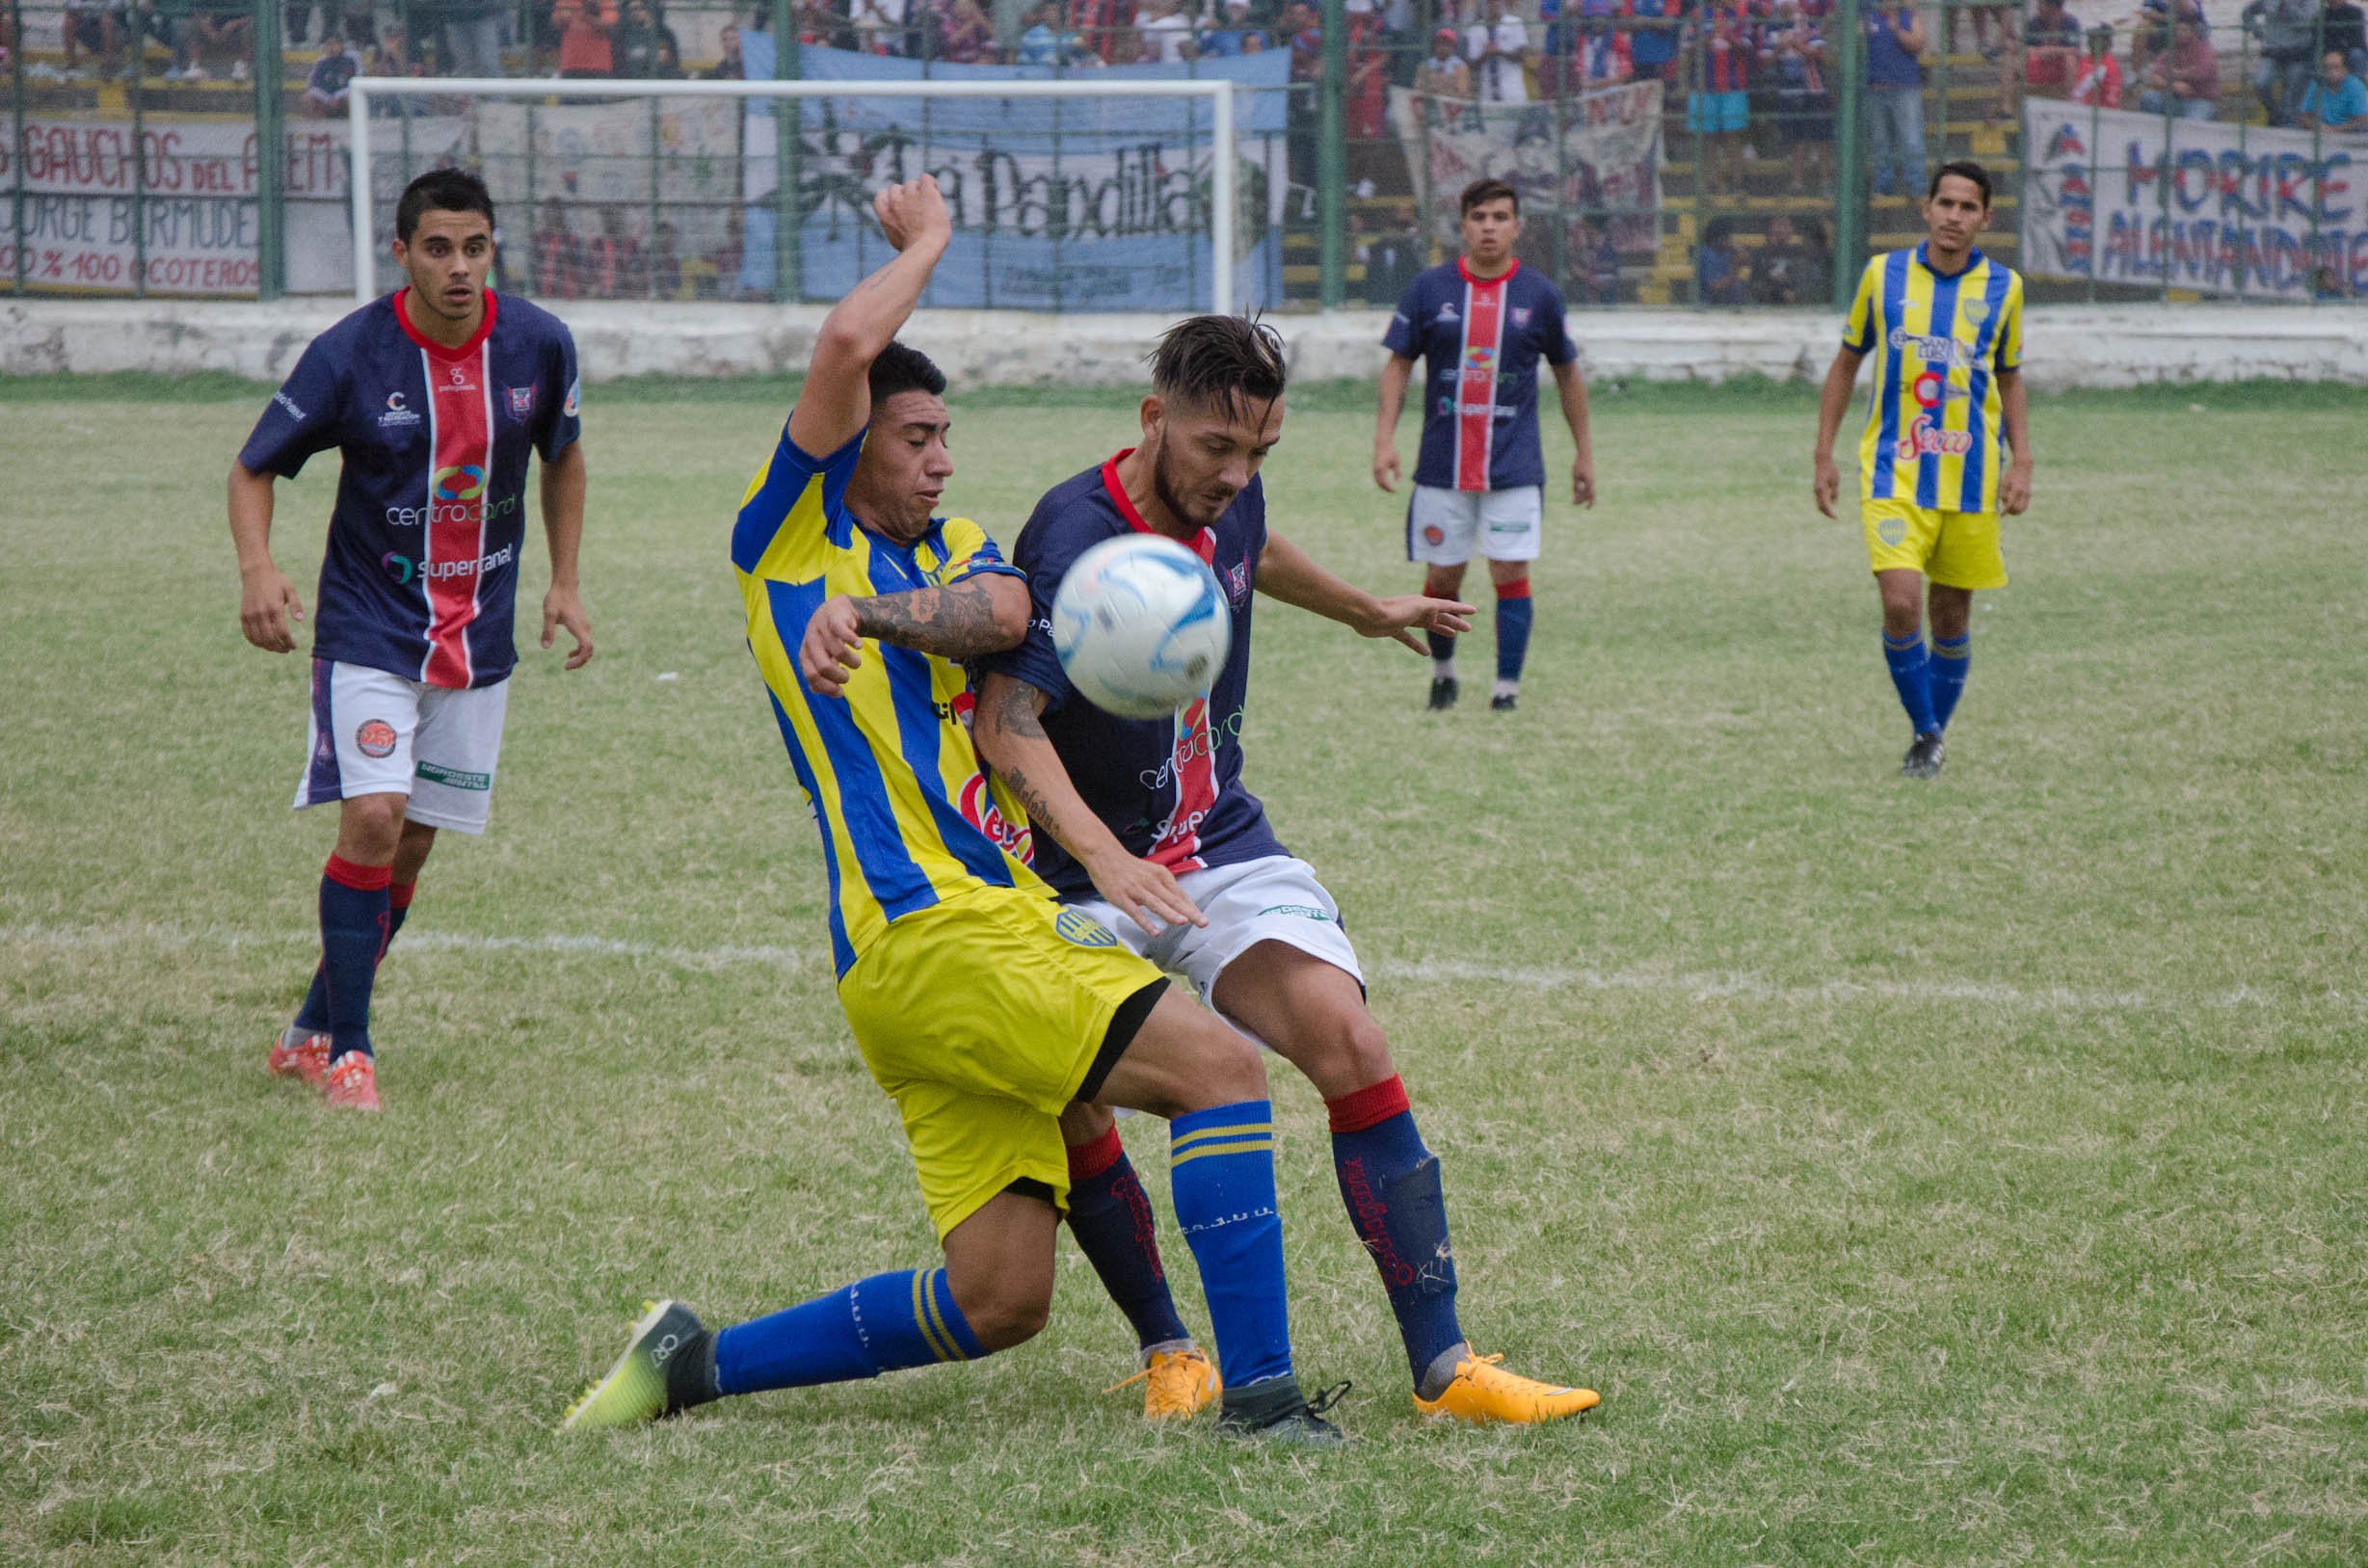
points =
(2221, 209)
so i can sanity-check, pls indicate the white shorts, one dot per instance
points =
(377, 733)
(1274, 899)
(1443, 525)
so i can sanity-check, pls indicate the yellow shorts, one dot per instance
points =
(1955, 549)
(980, 1017)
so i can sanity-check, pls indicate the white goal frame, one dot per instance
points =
(1219, 89)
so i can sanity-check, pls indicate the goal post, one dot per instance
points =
(366, 89)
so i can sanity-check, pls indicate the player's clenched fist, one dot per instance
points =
(913, 212)
(267, 602)
(832, 648)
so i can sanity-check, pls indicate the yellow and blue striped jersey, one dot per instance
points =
(908, 817)
(1935, 422)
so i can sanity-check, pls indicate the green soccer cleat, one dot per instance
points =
(634, 1391)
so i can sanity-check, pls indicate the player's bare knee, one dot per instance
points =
(370, 828)
(1227, 1072)
(1004, 1307)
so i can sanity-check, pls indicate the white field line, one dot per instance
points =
(1700, 987)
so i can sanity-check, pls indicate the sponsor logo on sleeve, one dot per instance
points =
(288, 403)
(375, 737)
(575, 398)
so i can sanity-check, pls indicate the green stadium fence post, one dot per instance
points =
(1056, 198)
(1193, 209)
(1693, 58)
(2163, 183)
(534, 210)
(270, 153)
(658, 142)
(16, 141)
(134, 72)
(1849, 148)
(1561, 182)
(788, 143)
(1332, 157)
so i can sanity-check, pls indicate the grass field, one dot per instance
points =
(1969, 1172)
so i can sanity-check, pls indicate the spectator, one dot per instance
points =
(1655, 41)
(472, 37)
(218, 28)
(2337, 102)
(2051, 53)
(880, 25)
(1895, 103)
(326, 90)
(1392, 257)
(2326, 283)
(613, 266)
(1776, 276)
(1044, 43)
(2098, 80)
(1307, 65)
(1793, 53)
(1718, 103)
(95, 25)
(1367, 103)
(584, 27)
(2344, 26)
(1816, 273)
(2184, 81)
(669, 66)
(1595, 269)
(1100, 22)
(1496, 48)
(638, 47)
(665, 266)
(559, 258)
(1718, 265)
(2287, 32)
(1443, 75)
(960, 34)
(1167, 36)
(1605, 54)
(1233, 37)
(730, 68)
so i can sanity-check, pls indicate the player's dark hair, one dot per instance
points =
(1964, 168)
(1209, 361)
(1487, 190)
(440, 190)
(902, 369)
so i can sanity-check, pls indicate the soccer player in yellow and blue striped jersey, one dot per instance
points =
(1946, 448)
(981, 1006)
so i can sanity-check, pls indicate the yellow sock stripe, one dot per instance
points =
(1250, 1147)
(1201, 1134)
(925, 1317)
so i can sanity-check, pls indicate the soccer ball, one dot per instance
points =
(1140, 627)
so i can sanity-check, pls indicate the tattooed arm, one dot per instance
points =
(984, 614)
(1010, 737)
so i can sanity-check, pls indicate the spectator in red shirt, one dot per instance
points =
(559, 259)
(583, 27)
(1718, 108)
(2098, 80)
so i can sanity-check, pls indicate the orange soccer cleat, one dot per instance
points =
(1176, 1384)
(1483, 1391)
(352, 1083)
(295, 1054)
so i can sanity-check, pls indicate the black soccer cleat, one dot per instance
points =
(1924, 757)
(1503, 703)
(1442, 693)
(1276, 1411)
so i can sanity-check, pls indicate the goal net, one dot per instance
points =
(1104, 191)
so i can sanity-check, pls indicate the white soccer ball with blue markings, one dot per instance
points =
(1141, 626)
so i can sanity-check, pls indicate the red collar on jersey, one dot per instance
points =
(1205, 547)
(437, 350)
(1462, 267)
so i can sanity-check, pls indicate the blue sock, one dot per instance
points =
(1442, 647)
(1221, 1178)
(354, 913)
(1389, 1182)
(1910, 673)
(1514, 614)
(1110, 1216)
(877, 1325)
(314, 1015)
(1952, 658)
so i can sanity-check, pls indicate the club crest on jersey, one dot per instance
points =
(1082, 930)
(1521, 315)
(375, 737)
(522, 403)
(398, 415)
(1237, 582)
(1447, 311)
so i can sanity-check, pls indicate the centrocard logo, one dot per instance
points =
(1924, 440)
(464, 482)
(1479, 356)
(979, 808)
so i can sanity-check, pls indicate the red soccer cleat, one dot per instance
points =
(352, 1083)
(297, 1056)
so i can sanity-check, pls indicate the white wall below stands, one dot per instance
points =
(2065, 345)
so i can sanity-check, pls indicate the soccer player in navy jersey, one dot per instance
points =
(433, 397)
(1144, 825)
(1481, 323)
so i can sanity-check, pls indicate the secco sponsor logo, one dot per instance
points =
(1924, 439)
(979, 808)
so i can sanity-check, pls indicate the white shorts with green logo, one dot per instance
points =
(1273, 899)
(374, 732)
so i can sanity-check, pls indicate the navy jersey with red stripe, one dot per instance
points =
(1170, 789)
(1482, 339)
(420, 577)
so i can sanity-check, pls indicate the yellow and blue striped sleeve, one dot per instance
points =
(777, 499)
(2010, 330)
(1858, 332)
(971, 553)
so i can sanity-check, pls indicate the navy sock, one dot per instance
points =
(1514, 614)
(354, 914)
(1389, 1182)
(877, 1325)
(1910, 673)
(1952, 658)
(1110, 1215)
(1221, 1176)
(1442, 647)
(314, 1015)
